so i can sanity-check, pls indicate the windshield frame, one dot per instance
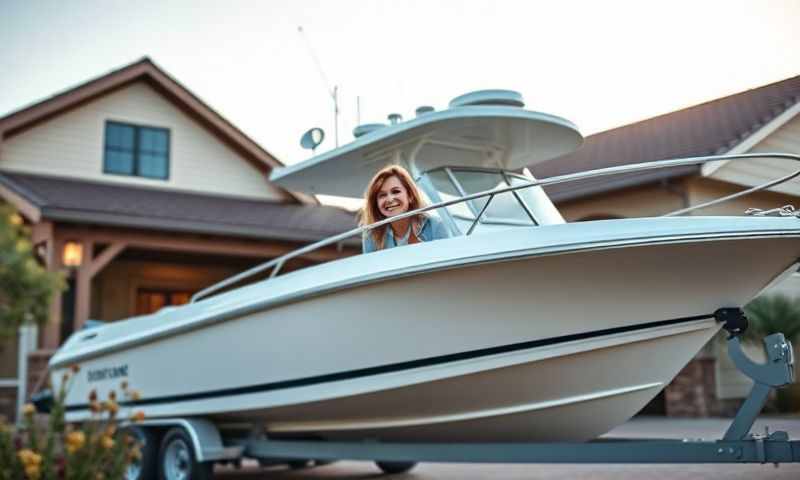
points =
(426, 179)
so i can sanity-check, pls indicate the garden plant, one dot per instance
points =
(56, 450)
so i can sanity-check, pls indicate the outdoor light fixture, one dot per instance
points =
(73, 254)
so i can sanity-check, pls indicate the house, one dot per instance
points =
(764, 119)
(143, 194)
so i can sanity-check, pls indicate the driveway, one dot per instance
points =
(637, 428)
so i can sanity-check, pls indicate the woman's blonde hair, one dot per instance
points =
(370, 212)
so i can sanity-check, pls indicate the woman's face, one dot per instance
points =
(392, 197)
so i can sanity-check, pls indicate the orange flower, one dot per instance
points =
(138, 416)
(134, 454)
(106, 442)
(26, 456)
(75, 441)
(33, 472)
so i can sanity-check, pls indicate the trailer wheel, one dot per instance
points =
(395, 467)
(299, 464)
(177, 459)
(145, 467)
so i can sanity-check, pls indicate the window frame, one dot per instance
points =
(448, 172)
(136, 150)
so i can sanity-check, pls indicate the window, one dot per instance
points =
(136, 150)
(150, 301)
(505, 208)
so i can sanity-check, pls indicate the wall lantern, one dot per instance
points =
(73, 254)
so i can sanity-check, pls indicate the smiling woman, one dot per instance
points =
(391, 192)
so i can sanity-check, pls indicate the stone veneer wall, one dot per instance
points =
(693, 391)
(8, 403)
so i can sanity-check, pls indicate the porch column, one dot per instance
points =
(49, 338)
(90, 266)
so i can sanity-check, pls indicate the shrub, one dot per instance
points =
(96, 450)
(26, 288)
(770, 314)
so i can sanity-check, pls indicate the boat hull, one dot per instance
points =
(545, 347)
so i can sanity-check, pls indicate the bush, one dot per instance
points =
(26, 288)
(96, 450)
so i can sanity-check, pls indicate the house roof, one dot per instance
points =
(147, 71)
(77, 201)
(710, 128)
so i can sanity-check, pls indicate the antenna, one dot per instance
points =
(333, 92)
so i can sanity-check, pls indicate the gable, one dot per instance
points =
(71, 145)
(784, 139)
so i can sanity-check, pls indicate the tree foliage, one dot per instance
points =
(770, 314)
(26, 288)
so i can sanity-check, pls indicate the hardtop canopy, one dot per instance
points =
(499, 136)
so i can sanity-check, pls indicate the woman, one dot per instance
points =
(391, 192)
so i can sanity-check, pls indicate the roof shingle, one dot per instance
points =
(72, 200)
(707, 129)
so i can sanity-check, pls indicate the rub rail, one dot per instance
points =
(277, 263)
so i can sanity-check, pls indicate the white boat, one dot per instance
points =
(519, 328)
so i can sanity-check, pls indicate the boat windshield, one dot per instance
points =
(510, 208)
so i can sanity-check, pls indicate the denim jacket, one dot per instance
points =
(431, 228)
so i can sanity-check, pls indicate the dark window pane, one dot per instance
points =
(153, 140)
(119, 136)
(136, 150)
(152, 165)
(119, 162)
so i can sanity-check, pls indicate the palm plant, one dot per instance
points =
(770, 314)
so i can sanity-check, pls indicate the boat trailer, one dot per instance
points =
(738, 444)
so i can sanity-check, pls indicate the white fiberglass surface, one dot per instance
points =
(346, 170)
(420, 258)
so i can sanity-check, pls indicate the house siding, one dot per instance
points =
(636, 202)
(785, 139)
(71, 145)
(701, 190)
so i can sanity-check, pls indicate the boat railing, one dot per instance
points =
(275, 265)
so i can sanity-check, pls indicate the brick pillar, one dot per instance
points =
(693, 391)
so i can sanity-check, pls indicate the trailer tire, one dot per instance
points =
(395, 467)
(299, 464)
(145, 467)
(178, 460)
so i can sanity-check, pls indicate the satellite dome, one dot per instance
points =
(504, 98)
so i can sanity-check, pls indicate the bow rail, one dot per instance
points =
(277, 263)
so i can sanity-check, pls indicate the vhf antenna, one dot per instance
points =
(333, 92)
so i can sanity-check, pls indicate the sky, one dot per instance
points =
(598, 64)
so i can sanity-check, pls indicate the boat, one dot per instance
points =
(521, 327)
